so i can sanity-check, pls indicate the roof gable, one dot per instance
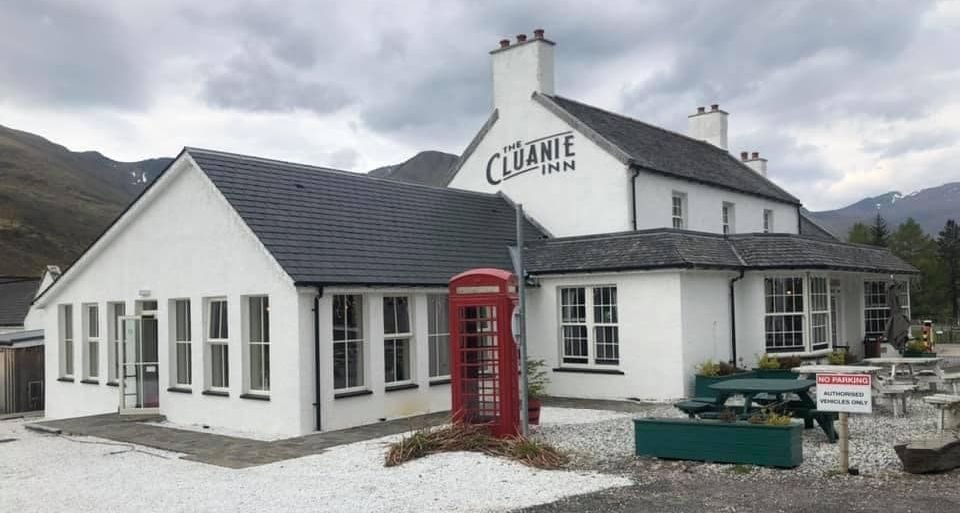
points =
(15, 297)
(662, 151)
(325, 226)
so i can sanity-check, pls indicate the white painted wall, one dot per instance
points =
(182, 240)
(651, 352)
(339, 413)
(706, 320)
(594, 198)
(704, 202)
(519, 70)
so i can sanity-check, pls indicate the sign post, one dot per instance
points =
(521, 334)
(846, 394)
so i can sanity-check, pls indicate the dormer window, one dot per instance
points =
(767, 220)
(727, 217)
(679, 210)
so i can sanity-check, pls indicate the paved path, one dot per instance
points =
(225, 451)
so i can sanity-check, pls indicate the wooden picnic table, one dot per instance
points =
(805, 407)
(807, 370)
(894, 361)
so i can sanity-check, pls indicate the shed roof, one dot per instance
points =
(16, 293)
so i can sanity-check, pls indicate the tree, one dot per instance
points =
(949, 245)
(859, 234)
(927, 291)
(879, 233)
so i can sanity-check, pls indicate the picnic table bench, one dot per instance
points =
(949, 409)
(767, 391)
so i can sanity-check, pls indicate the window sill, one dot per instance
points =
(90, 381)
(588, 370)
(180, 390)
(801, 354)
(439, 381)
(404, 386)
(65, 380)
(216, 393)
(257, 397)
(112, 384)
(355, 393)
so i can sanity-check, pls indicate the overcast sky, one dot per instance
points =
(845, 98)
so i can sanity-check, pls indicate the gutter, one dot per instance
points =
(733, 318)
(633, 196)
(316, 353)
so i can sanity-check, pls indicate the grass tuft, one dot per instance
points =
(474, 438)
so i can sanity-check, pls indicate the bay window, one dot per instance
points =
(396, 339)
(589, 330)
(876, 311)
(797, 314)
(348, 341)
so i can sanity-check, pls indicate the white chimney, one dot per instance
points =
(755, 162)
(710, 126)
(521, 68)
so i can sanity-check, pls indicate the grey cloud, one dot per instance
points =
(66, 54)
(251, 82)
(911, 143)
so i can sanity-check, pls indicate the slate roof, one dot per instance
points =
(659, 150)
(16, 293)
(332, 227)
(813, 229)
(667, 248)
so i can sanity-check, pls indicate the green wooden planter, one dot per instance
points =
(701, 384)
(775, 374)
(720, 442)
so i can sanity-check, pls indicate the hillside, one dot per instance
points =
(928, 207)
(426, 167)
(54, 202)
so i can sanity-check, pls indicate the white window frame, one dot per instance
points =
(591, 326)
(258, 338)
(768, 220)
(810, 318)
(115, 310)
(181, 341)
(438, 335)
(398, 338)
(359, 342)
(212, 341)
(67, 360)
(91, 341)
(881, 308)
(678, 210)
(728, 218)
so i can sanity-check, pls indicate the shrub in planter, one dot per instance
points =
(775, 441)
(917, 348)
(536, 387)
(837, 358)
(710, 372)
(770, 367)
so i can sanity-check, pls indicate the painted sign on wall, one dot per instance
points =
(547, 155)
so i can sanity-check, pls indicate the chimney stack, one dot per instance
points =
(710, 126)
(521, 68)
(755, 162)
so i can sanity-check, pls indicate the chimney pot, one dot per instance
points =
(701, 110)
(521, 38)
(715, 106)
(538, 33)
(743, 155)
(755, 155)
(504, 43)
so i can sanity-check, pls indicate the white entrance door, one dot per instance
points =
(139, 366)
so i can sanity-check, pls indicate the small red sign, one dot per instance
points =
(843, 379)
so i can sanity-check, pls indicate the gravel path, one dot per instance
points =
(607, 446)
(40, 473)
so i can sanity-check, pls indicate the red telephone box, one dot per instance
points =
(484, 380)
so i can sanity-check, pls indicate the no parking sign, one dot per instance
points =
(848, 393)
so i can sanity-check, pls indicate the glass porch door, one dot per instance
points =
(139, 367)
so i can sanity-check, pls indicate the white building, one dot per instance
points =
(281, 298)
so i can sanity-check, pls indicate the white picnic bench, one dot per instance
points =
(904, 376)
(949, 408)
